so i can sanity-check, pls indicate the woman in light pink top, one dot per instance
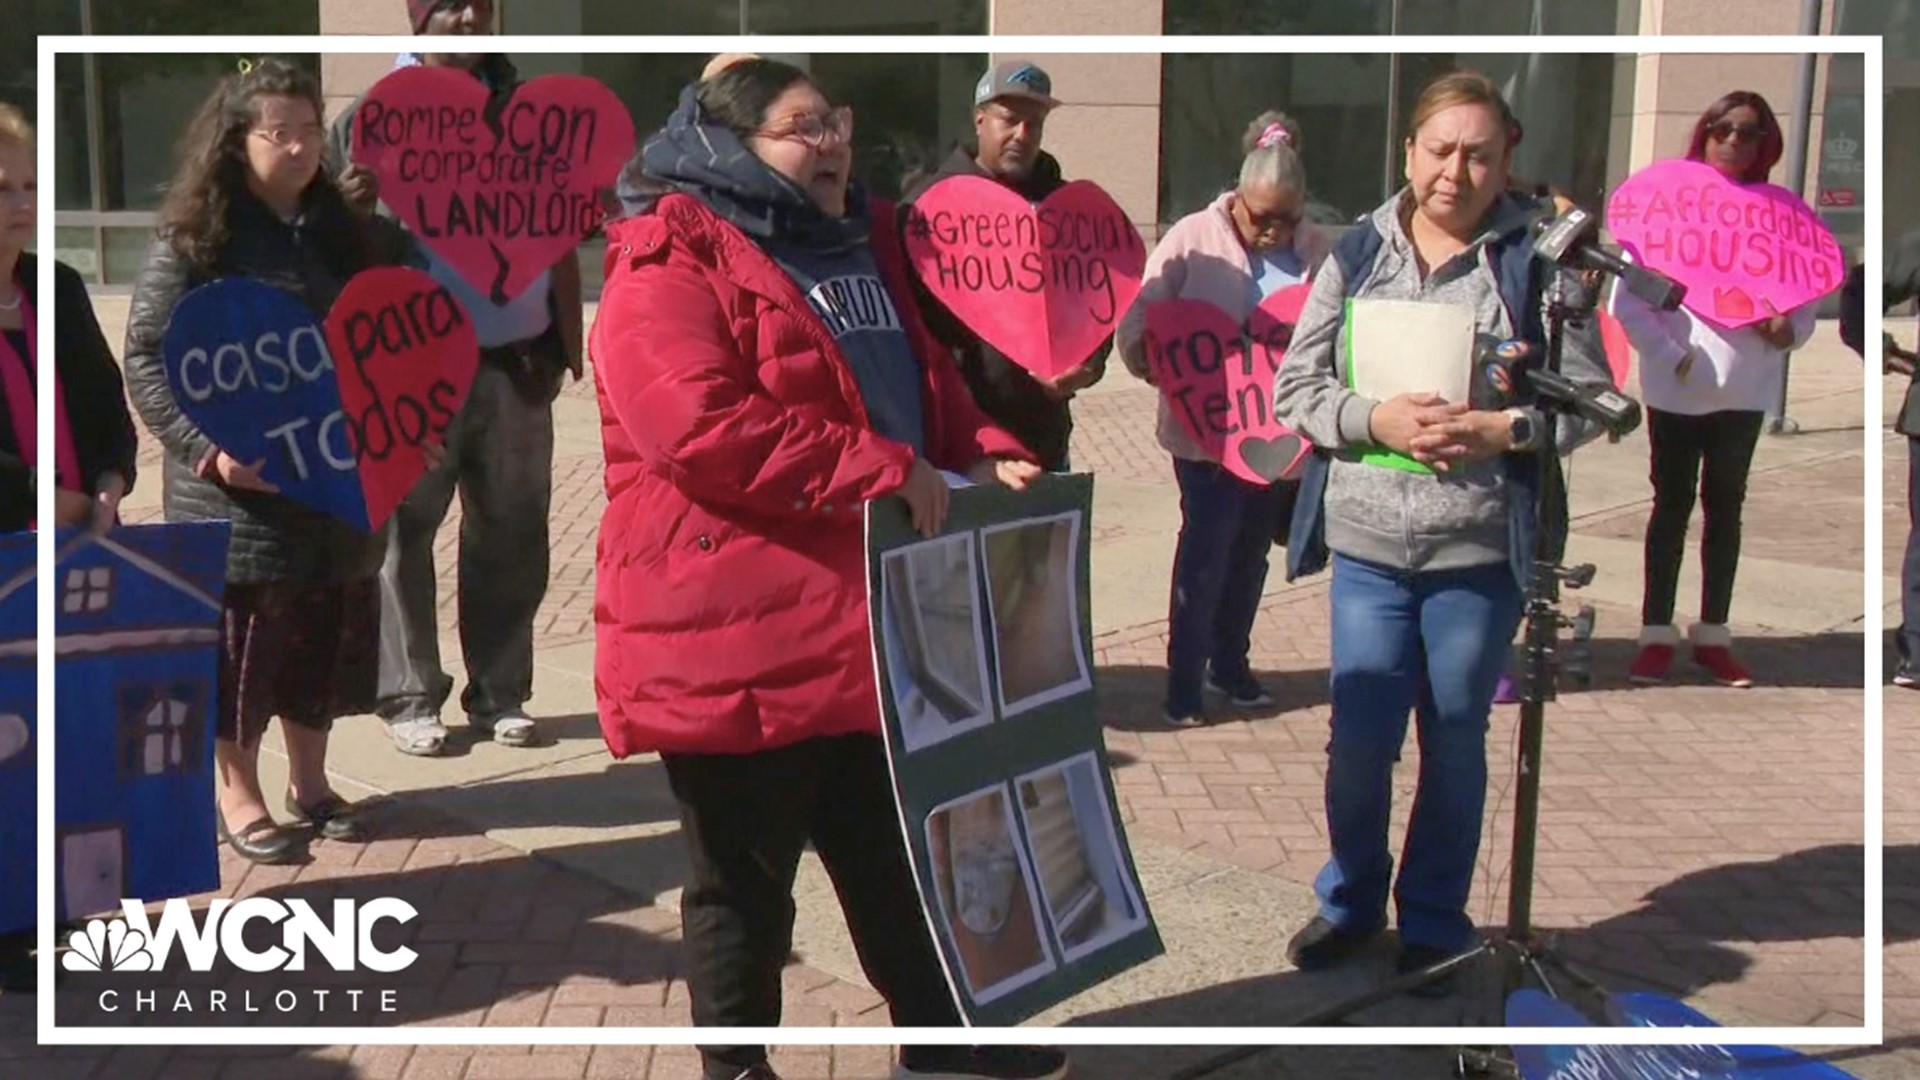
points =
(1245, 246)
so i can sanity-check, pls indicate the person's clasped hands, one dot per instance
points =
(1438, 433)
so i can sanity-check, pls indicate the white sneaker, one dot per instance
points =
(513, 727)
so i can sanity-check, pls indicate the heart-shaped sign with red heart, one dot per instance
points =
(337, 411)
(1744, 251)
(1216, 375)
(500, 188)
(1043, 284)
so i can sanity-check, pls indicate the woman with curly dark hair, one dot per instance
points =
(300, 630)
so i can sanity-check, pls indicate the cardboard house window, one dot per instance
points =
(88, 589)
(159, 729)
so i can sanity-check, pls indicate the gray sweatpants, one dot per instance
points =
(500, 461)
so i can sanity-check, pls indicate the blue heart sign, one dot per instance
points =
(253, 368)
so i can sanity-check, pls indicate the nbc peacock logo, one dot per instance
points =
(107, 946)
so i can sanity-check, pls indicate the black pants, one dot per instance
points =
(747, 818)
(1715, 452)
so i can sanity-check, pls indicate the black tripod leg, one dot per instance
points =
(1340, 1010)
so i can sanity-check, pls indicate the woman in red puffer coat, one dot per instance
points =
(760, 378)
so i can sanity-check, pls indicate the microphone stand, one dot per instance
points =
(1525, 955)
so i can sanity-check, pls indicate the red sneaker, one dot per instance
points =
(1719, 661)
(1650, 664)
(1657, 646)
(1713, 650)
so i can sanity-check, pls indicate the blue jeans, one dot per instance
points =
(1432, 643)
(1219, 571)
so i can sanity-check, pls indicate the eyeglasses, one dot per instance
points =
(285, 138)
(1727, 129)
(1272, 219)
(813, 129)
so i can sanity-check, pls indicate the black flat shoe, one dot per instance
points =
(259, 841)
(1321, 945)
(333, 817)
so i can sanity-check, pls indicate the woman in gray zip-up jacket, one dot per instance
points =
(1426, 582)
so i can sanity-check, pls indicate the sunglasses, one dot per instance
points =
(1727, 129)
(813, 129)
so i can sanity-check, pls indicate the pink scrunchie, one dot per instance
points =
(1275, 133)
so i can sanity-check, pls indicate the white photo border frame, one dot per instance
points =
(1110, 834)
(1869, 1033)
(890, 637)
(1081, 684)
(1049, 962)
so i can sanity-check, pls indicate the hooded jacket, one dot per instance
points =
(1201, 258)
(731, 577)
(1012, 397)
(1476, 514)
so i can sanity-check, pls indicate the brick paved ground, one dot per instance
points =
(1696, 839)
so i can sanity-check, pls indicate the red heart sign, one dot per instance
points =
(500, 190)
(1217, 376)
(405, 355)
(1043, 284)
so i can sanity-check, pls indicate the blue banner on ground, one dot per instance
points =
(1531, 1008)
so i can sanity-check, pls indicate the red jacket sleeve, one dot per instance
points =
(691, 402)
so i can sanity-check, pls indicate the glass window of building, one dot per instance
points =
(1353, 108)
(127, 112)
(1839, 153)
(1339, 101)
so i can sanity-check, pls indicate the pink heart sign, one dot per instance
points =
(500, 192)
(1744, 251)
(1043, 284)
(1217, 376)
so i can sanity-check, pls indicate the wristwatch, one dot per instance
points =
(1520, 429)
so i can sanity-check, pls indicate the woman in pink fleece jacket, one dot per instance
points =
(1247, 245)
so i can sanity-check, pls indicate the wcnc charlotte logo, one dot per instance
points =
(344, 942)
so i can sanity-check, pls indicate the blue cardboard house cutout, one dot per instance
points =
(137, 632)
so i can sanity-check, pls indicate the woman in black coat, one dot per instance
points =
(300, 621)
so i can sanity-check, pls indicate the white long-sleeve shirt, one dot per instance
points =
(1731, 369)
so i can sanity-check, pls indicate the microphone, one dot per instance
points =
(1512, 371)
(1573, 240)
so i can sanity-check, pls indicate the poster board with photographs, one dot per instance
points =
(983, 644)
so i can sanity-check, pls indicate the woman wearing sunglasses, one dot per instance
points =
(1244, 247)
(1707, 390)
(762, 372)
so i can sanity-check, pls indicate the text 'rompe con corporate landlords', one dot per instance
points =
(1051, 248)
(522, 164)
